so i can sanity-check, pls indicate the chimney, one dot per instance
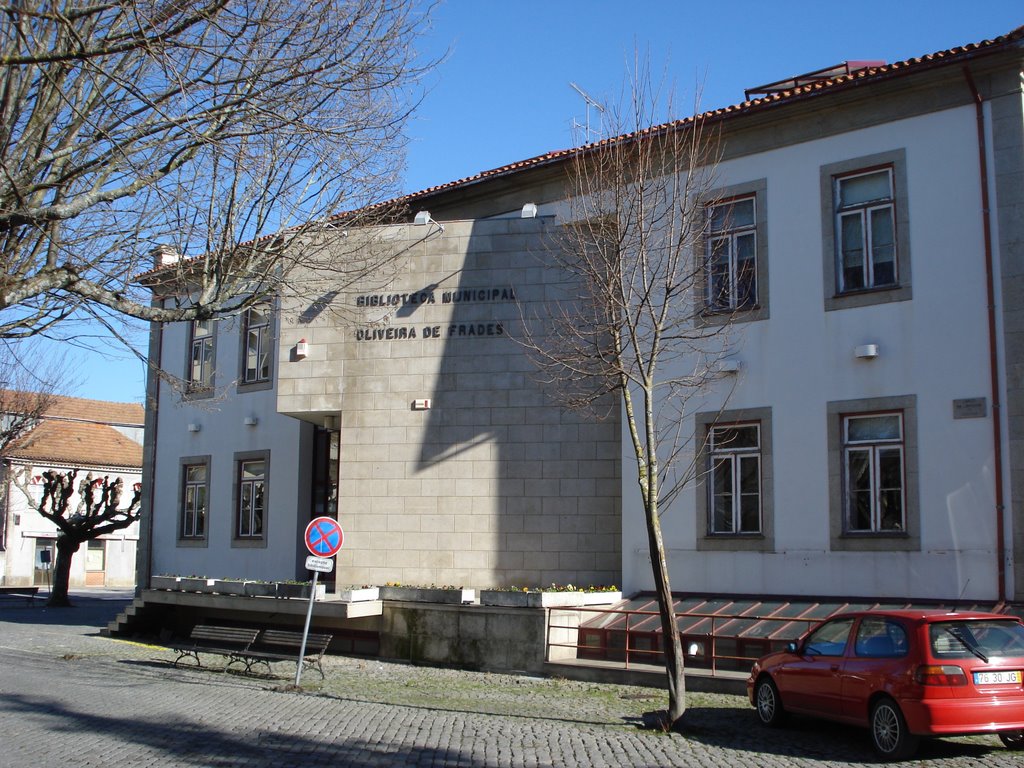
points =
(164, 256)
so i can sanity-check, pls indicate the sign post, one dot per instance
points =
(323, 538)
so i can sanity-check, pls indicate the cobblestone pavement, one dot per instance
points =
(69, 697)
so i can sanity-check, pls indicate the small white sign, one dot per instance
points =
(319, 564)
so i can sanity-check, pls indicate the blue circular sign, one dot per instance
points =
(324, 537)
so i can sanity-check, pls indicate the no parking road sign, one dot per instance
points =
(324, 537)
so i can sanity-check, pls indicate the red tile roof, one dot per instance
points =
(77, 431)
(103, 411)
(817, 88)
(811, 90)
(79, 444)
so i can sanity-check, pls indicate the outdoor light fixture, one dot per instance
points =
(250, 421)
(529, 211)
(421, 405)
(423, 218)
(866, 351)
(731, 365)
(194, 427)
(301, 349)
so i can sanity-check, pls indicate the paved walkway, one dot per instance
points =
(69, 697)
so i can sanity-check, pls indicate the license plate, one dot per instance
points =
(997, 678)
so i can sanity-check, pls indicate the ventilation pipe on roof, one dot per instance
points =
(993, 346)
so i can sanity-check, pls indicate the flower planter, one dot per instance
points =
(537, 599)
(358, 594)
(163, 582)
(260, 589)
(230, 587)
(189, 584)
(300, 590)
(428, 595)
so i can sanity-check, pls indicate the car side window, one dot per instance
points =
(829, 639)
(880, 638)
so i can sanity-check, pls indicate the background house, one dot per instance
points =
(872, 242)
(91, 436)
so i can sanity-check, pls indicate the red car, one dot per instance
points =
(902, 674)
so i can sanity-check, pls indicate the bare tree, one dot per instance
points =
(220, 129)
(97, 512)
(29, 387)
(631, 327)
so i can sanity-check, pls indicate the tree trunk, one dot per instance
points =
(672, 647)
(66, 548)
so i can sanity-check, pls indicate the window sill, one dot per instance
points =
(744, 315)
(863, 291)
(255, 386)
(735, 542)
(193, 543)
(900, 541)
(864, 297)
(253, 543)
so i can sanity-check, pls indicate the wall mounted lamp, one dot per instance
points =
(194, 427)
(301, 349)
(250, 421)
(729, 365)
(423, 218)
(866, 351)
(529, 211)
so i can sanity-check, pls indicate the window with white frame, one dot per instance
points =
(865, 230)
(256, 332)
(250, 498)
(732, 255)
(735, 479)
(873, 473)
(193, 500)
(201, 354)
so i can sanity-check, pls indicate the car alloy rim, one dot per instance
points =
(765, 701)
(886, 728)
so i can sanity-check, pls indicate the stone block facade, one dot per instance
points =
(494, 483)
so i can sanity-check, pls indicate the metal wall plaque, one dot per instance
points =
(970, 408)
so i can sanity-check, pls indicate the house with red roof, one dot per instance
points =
(93, 437)
(866, 440)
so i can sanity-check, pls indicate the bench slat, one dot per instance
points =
(251, 646)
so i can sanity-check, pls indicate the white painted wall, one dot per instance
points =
(222, 434)
(934, 346)
(19, 565)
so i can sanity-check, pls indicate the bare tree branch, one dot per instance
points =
(632, 326)
(227, 130)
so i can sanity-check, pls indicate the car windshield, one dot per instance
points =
(983, 638)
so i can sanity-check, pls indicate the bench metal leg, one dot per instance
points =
(191, 653)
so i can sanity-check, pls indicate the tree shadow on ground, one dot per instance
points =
(807, 738)
(188, 742)
(87, 612)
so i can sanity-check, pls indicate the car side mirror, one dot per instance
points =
(793, 647)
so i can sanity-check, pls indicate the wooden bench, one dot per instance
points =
(29, 593)
(233, 642)
(283, 645)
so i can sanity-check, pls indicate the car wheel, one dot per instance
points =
(1013, 739)
(768, 702)
(889, 734)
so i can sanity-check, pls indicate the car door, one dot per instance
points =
(878, 654)
(810, 683)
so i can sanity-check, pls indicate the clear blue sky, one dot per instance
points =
(503, 93)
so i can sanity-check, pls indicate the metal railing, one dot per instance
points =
(632, 637)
